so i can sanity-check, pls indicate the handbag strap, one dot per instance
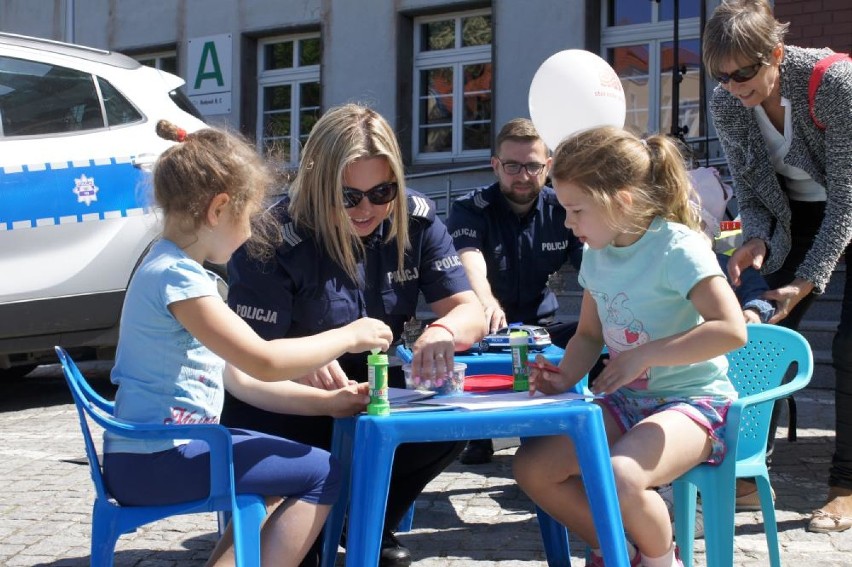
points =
(816, 78)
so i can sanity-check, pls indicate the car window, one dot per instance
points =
(119, 110)
(39, 98)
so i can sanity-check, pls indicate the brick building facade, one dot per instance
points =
(817, 23)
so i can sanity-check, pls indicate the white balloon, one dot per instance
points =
(575, 90)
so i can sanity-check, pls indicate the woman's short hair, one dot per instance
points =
(740, 30)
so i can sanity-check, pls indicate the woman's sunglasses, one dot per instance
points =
(741, 75)
(381, 194)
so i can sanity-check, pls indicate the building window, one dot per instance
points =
(163, 60)
(638, 41)
(452, 86)
(289, 95)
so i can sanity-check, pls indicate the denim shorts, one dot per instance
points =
(707, 411)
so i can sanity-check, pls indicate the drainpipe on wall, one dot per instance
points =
(69, 21)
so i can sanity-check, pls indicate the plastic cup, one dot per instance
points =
(454, 384)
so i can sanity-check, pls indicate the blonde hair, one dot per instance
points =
(203, 164)
(603, 161)
(342, 136)
(740, 29)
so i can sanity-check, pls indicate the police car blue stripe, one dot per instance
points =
(45, 194)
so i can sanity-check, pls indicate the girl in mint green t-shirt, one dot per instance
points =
(655, 296)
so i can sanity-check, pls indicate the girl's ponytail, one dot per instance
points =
(671, 182)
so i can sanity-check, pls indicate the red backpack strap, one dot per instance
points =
(816, 78)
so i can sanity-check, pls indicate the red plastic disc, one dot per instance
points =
(487, 382)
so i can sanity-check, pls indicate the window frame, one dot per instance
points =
(654, 35)
(294, 76)
(456, 58)
(158, 57)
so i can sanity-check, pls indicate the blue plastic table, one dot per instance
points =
(365, 446)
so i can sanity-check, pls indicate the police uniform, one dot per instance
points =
(302, 291)
(520, 252)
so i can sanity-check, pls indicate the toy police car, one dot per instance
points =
(537, 338)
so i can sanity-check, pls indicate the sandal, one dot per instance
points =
(823, 522)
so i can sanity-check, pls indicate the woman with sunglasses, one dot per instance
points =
(357, 242)
(793, 182)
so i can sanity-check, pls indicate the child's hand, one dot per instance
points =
(369, 333)
(349, 400)
(751, 316)
(328, 377)
(750, 255)
(619, 371)
(545, 377)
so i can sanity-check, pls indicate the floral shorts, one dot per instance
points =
(707, 411)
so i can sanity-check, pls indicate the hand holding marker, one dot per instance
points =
(544, 365)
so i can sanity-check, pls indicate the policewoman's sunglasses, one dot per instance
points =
(381, 194)
(740, 75)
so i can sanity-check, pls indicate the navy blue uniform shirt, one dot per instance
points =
(520, 252)
(301, 291)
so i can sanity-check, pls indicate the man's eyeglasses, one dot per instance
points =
(381, 194)
(741, 75)
(514, 168)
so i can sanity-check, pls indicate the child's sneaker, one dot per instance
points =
(597, 560)
(677, 557)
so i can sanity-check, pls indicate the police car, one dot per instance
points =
(77, 141)
(537, 338)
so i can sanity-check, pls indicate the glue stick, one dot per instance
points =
(377, 368)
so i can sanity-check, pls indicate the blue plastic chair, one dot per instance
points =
(758, 372)
(110, 520)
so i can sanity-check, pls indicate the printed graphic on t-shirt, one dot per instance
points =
(622, 331)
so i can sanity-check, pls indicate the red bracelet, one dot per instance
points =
(440, 326)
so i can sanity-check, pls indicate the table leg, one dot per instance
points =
(368, 495)
(554, 536)
(593, 456)
(341, 448)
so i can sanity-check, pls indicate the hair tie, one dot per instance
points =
(181, 135)
(644, 142)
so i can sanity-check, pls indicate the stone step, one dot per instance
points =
(818, 333)
(826, 307)
(823, 376)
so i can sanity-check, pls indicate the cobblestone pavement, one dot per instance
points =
(469, 516)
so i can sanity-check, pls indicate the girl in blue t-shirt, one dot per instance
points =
(655, 296)
(180, 346)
